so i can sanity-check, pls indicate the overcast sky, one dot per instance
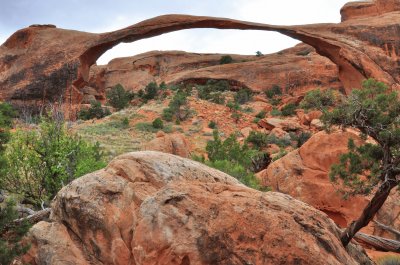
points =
(108, 15)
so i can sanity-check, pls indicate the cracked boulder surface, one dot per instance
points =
(44, 62)
(155, 208)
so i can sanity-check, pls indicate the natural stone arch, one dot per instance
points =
(40, 62)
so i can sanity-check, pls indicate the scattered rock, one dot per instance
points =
(175, 144)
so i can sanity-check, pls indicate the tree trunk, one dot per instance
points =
(387, 228)
(379, 243)
(368, 213)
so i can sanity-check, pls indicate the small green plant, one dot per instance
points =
(118, 97)
(282, 153)
(248, 110)
(275, 90)
(145, 127)
(212, 125)
(301, 138)
(259, 54)
(168, 114)
(163, 86)
(243, 95)
(226, 59)
(261, 114)
(289, 109)
(38, 163)
(150, 91)
(158, 123)
(95, 111)
(239, 161)
(318, 99)
(257, 139)
(275, 112)
(256, 120)
(178, 107)
(10, 246)
(217, 98)
(233, 106)
(125, 123)
(212, 90)
(236, 116)
(140, 93)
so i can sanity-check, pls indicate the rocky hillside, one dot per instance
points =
(297, 70)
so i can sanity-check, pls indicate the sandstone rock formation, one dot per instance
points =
(44, 62)
(365, 9)
(175, 144)
(295, 70)
(303, 174)
(156, 208)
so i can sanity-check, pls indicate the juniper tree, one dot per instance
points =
(374, 166)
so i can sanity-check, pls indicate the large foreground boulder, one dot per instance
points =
(156, 208)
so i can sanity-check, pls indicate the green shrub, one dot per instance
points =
(235, 159)
(150, 91)
(301, 138)
(163, 86)
(257, 139)
(243, 96)
(236, 116)
(40, 162)
(10, 246)
(212, 125)
(118, 97)
(178, 107)
(261, 114)
(248, 110)
(281, 142)
(275, 112)
(168, 114)
(259, 54)
(95, 111)
(145, 127)
(140, 93)
(158, 123)
(7, 114)
(318, 99)
(289, 109)
(275, 90)
(217, 98)
(125, 122)
(237, 171)
(282, 153)
(256, 120)
(226, 59)
(233, 106)
(212, 90)
(167, 128)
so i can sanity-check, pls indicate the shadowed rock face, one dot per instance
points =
(43, 62)
(156, 208)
